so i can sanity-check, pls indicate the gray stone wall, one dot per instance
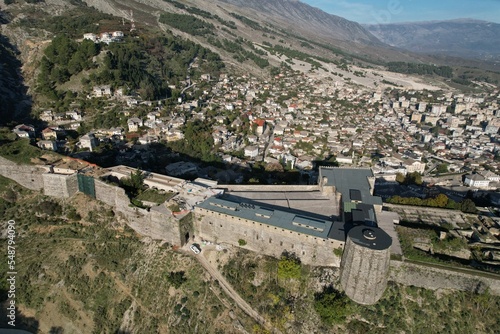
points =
(435, 278)
(59, 185)
(364, 272)
(157, 223)
(264, 188)
(28, 176)
(264, 238)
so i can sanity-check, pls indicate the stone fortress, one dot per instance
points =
(316, 222)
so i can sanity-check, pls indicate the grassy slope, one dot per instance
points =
(85, 274)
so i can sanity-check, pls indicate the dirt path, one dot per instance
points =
(228, 289)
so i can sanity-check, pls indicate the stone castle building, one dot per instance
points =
(340, 212)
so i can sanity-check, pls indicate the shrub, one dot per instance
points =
(242, 242)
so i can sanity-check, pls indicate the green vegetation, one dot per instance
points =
(63, 58)
(197, 143)
(242, 242)
(148, 64)
(442, 168)
(16, 149)
(239, 53)
(251, 23)
(152, 195)
(94, 270)
(176, 278)
(294, 54)
(412, 68)
(440, 201)
(202, 13)
(410, 178)
(188, 24)
(289, 267)
(304, 308)
(332, 306)
(74, 22)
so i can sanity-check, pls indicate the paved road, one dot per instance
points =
(232, 293)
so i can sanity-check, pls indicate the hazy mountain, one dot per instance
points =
(297, 16)
(459, 38)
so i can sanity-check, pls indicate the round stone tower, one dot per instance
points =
(365, 264)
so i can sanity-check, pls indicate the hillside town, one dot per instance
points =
(296, 119)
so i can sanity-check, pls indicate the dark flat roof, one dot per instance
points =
(347, 179)
(370, 237)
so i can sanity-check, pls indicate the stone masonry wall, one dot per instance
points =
(264, 238)
(364, 272)
(158, 223)
(263, 188)
(28, 176)
(437, 278)
(59, 185)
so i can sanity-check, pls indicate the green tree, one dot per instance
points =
(442, 168)
(468, 206)
(289, 267)
(332, 306)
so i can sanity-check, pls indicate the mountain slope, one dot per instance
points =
(460, 38)
(294, 14)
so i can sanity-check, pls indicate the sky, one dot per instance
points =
(392, 11)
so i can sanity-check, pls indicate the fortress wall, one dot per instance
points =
(264, 238)
(60, 186)
(157, 224)
(28, 176)
(270, 188)
(436, 278)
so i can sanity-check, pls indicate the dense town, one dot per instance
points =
(296, 119)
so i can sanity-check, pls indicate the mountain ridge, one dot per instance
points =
(465, 38)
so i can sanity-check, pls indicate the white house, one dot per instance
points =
(89, 141)
(489, 175)
(24, 131)
(251, 151)
(133, 124)
(47, 145)
(100, 91)
(476, 180)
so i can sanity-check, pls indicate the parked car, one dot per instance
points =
(195, 248)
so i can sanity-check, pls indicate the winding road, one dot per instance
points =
(228, 289)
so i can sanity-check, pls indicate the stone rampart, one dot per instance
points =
(265, 239)
(28, 176)
(267, 188)
(59, 185)
(436, 278)
(157, 223)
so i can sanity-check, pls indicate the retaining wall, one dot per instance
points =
(435, 278)
(158, 223)
(59, 185)
(28, 176)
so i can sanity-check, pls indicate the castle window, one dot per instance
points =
(270, 240)
(281, 243)
(257, 237)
